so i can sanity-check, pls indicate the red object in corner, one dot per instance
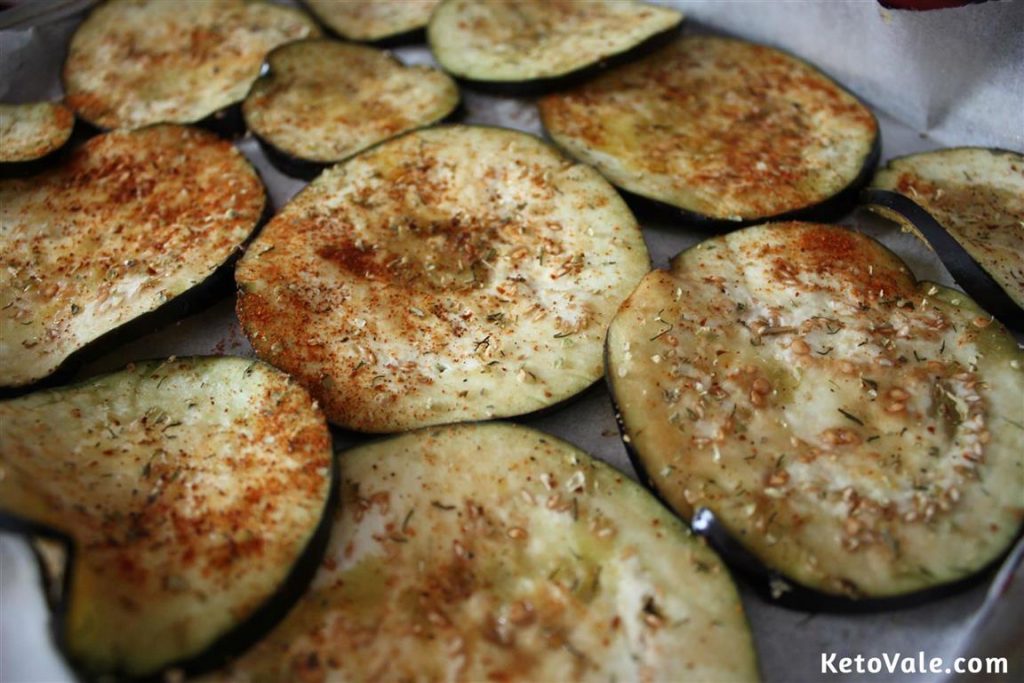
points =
(924, 5)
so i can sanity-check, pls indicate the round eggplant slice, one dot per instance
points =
(496, 552)
(540, 42)
(133, 63)
(720, 129)
(126, 225)
(456, 273)
(372, 20)
(323, 101)
(192, 496)
(29, 132)
(976, 196)
(857, 431)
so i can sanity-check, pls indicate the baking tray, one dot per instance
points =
(982, 620)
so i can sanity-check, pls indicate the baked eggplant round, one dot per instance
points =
(857, 432)
(455, 273)
(540, 44)
(119, 231)
(373, 21)
(720, 130)
(975, 197)
(192, 500)
(496, 552)
(321, 101)
(32, 131)
(133, 63)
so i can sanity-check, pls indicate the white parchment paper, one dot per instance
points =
(951, 77)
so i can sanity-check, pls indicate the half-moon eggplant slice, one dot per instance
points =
(976, 198)
(193, 498)
(127, 224)
(133, 63)
(321, 101)
(455, 273)
(496, 552)
(373, 20)
(721, 130)
(29, 132)
(540, 44)
(858, 432)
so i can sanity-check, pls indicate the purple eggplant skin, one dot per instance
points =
(540, 86)
(289, 165)
(23, 169)
(226, 123)
(967, 272)
(231, 644)
(417, 36)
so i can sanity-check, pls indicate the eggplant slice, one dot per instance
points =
(976, 196)
(322, 101)
(455, 273)
(857, 431)
(372, 20)
(128, 223)
(721, 130)
(29, 132)
(133, 63)
(193, 497)
(540, 42)
(496, 552)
